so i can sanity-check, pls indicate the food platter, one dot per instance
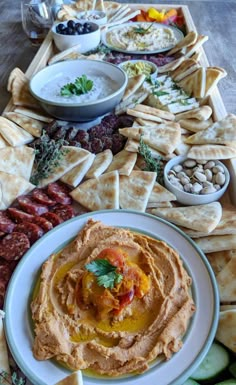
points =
(196, 342)
(117, 30)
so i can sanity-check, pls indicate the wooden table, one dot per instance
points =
(217, 19)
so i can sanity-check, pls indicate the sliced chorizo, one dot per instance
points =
(31, 207)
(41, 197)
(6, 224)
(43, 223)
(53, 218)
(13, 246)
(31, 230)
(19, 215)
(65, 212)
(59, 193)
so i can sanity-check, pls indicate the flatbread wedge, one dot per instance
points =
(186, 68)
(194, 217)
(12, 186)
(133, 146)
(18, 85)
(100, 164)
(195, 125)
(17, 161)
(192, 49)
(220, 132)
(3, 143)
(160, 194)
(72, 157)
(165, 137)
(77, 173)
(200, 113)
(31, 125)
(211, 151)
(13, 134)
(214, 243)
(135, 189)
(123, 162)
(195, 83)
(137, 97)
(99, 193)
(219, 260)
(171, 66)
(73, 379)
(4, 361)
(155, 112)
(213, 76)
(33, 114)
(226, 332)
(134, 83)
(187, 41)
(226, 280)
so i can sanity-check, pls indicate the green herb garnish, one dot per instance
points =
(184, 102)
(48, 156)
(152, 164)
(141, 30)
(105, 272)
(82, 85)
(13, 379)
(159, 93)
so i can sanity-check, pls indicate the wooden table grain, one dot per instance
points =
(217, 19)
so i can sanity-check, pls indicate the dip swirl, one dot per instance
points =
(72, 328)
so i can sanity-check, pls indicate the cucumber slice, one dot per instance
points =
(216, 360)
(231, 381)
(232, 369)
(190, 382)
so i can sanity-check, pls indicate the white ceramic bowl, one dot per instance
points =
(88, 109)
(190, 199)
(98, 17)
(87, 41)
(125, 64)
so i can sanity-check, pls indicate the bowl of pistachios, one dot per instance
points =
(196, 182)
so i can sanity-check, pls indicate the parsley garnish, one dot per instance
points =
(159, 93)
(82, 85)
(48, 156)
(105, 272)
(154, 82)
(184, 102)
(14, 379)
(152, 164)
(141, 30)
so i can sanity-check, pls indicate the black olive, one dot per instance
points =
(87, 26)
(80, 30)
(71, 24)
(60, 27)
(86, 30)
(70, 31)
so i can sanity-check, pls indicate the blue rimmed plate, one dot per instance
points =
(197, 340)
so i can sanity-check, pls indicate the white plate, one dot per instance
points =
(178, 34)
(197, 340)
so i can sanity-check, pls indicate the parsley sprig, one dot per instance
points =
(81, 85)
(105, 272)
(48, 156)
(13, 379)
(152, 164)
(141, 30)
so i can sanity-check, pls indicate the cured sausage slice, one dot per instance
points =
(33, 231)
(6, 224)
(65, 212)
(43, 223)
(5, 271)
(53, 218)
(41, 197)
(13, 246)
(31, 207)
(19, 215)
(60, 193)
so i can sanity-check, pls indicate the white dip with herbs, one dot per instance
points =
(103, 86)
(141, 37)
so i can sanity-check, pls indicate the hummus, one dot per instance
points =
(117, 329)
(141, 37)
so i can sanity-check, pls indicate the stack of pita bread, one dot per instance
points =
(114, 182)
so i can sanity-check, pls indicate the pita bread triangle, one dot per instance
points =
(160, 194)
(135, 189)
(188, 66)
(17, 160)
(123, 162)
(194, 84)
(100, 164)
(134, 83)
(3, 143)
(163, 115)
(214, 243)
(13, 134)
(171, 66)
(219, 132)
(188, 40)
(226, 280)
(219, 260)
(73, 379)
(99, 193)
(33, 126)
(211, 152)
(18, 85)
(213, 76)
(164, 137)
(194, 217)
(200, 113)
(226, 329)
(4, 361)
(201, 39)
(72, 157)
(33, 114)
(195, 125)
(12, 186)
(77, 173)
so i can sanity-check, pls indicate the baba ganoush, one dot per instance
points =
(141, 37)
(103, 86)
(114, 321)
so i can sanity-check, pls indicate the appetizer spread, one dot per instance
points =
(51, 171)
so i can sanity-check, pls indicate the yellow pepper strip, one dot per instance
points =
(156, 15)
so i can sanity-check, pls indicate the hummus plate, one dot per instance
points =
(197, 340)
(141, 38)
